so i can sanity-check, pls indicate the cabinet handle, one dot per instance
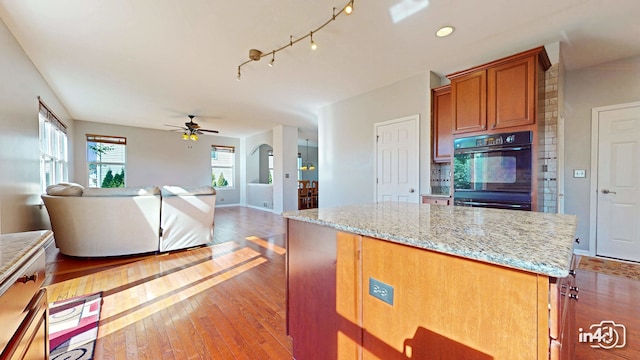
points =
(572, 273)
(571, 288)
(573, 296)
(577, 240)
(26, 278)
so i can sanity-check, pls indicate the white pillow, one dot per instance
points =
(65, 189)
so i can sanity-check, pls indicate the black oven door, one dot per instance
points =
(502, 169)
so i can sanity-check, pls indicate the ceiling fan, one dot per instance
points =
(191, 129)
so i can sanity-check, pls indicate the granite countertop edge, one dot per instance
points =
(488, 256)
(35, 240)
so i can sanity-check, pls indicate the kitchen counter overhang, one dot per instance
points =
(531, 241)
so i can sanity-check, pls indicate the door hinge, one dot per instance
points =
(160, 231)
(377, 138)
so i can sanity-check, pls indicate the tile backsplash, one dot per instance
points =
(440, 179)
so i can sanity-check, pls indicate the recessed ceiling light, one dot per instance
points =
(445, 31)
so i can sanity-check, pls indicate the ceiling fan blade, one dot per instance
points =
(211, 131)
(176, 126)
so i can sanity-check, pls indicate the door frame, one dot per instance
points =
(416, 118)
(593, 199)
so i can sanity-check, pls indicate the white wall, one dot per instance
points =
(608, 84)
(160, 157)
(20, 86)
(346, 139)
(285, 179)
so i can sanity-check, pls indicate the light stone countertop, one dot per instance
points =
(17, 247)
(532, 241)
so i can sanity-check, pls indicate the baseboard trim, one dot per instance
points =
(227, 205)
(581, 252)
(260, 208)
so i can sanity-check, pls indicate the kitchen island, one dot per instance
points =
(23, 301)
(397, 280)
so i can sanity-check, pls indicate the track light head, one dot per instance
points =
(314, 46)
(349, 8)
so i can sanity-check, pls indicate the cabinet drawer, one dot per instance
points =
(435, 200)
(24, 284)
(30, 341)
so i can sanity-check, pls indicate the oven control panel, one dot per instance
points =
(517, 138)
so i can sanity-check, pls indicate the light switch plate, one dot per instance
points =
(579, 173)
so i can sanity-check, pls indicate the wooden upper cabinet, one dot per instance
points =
(512, 94)
(469, 102)
(501, 94)
(442, 124)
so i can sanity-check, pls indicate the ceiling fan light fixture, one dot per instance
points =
(185, 136)
(193, 136)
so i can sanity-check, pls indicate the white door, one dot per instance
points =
(397, 160)
(618, 182)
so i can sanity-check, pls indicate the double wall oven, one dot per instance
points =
(493, 171)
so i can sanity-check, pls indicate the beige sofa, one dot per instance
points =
(94, 222)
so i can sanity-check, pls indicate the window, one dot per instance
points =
(270, 166)
(223, 161)
(106, 160)
(53, 148)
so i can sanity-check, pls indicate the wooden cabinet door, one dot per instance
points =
(511, 99)
(442, 124)
(469, 98)
(311, 289)
(446, 307)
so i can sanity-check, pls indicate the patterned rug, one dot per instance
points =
(73, 327)
(610, 267)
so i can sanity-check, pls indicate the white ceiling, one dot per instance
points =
(148, 63)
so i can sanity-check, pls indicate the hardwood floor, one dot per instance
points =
(608, 298)
(227, 301)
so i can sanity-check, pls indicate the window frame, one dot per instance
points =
(53, 147)
(105, 139)
(223, 149)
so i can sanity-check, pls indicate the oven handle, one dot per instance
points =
(515, 206)
(486, 150)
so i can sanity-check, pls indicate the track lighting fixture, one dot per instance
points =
(256, 55)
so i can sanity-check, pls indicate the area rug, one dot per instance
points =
(73, 327)
(610, 267)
